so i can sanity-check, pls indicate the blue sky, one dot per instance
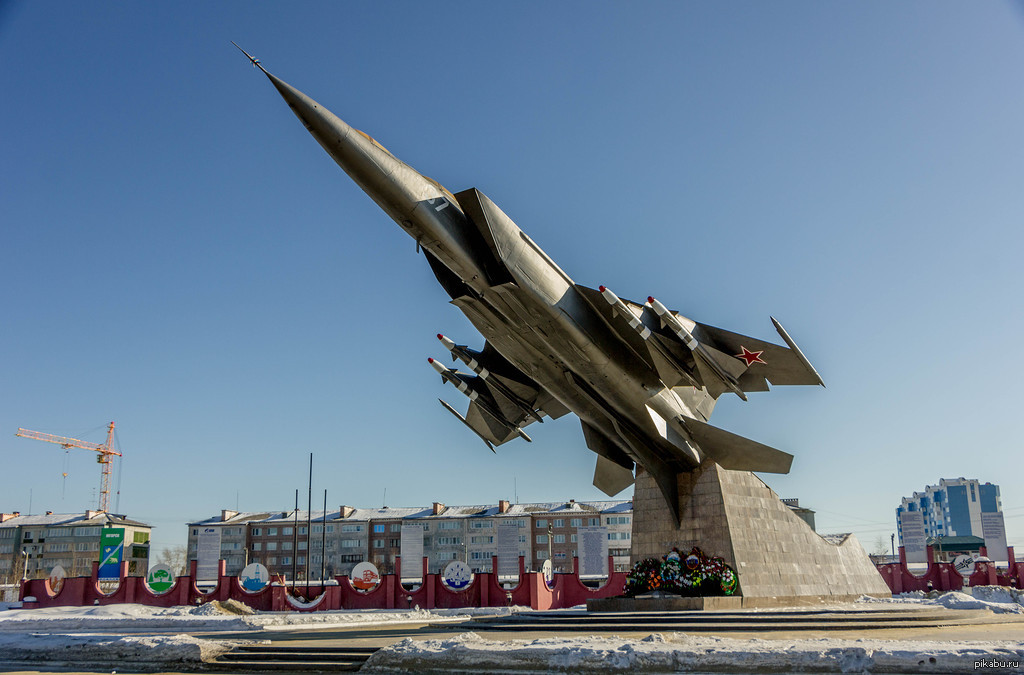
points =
(181, 257)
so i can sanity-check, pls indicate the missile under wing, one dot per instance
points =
(642, 378)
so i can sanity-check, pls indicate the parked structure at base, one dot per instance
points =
(284, 542)
(31, 546)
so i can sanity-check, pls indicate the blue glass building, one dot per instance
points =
(952, 508)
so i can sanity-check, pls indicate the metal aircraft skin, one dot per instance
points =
(642, 379)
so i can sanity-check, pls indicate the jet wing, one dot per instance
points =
(492, 428)
(685, 352)
(513, 390)
(497, 413)
(765, 361)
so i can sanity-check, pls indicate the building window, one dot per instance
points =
(378, 529)
(593, 522)
(542, 523)
(542, 538)
(448, 525)
(255, 531)
(302, 530)
(480, 524)
(286, 560)
(287, 531)
(271, 545)
(395, 543)
(576, 522)
(378, 543)
(350, 543)
(271, 531)
(559, 522)
(350, 528)
(257, 546)
(559, 538)
(396, 527)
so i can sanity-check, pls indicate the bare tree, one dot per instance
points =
(881, 546)
(175, 557)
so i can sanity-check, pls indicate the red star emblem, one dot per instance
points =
(750, 357)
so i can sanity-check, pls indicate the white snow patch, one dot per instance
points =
(132, 618)
(109, 650)
(999, 599)
(677, 652)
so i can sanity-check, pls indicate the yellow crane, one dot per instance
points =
(106, 455)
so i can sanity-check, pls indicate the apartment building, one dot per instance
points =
(31, 546)
(235, 543)
(953, 508)
(290, 542)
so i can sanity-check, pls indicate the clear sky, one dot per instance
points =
(181, 257)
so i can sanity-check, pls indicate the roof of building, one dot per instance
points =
(417, 512)
(946, 544)
(233, 518)
(66, 519)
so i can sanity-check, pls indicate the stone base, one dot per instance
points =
(721, 603)
(778, 558)
(663, 604)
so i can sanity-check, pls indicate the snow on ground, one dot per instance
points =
(678, 653)
(999, 599)
(109, 650)
(210, 617)
(62, 634)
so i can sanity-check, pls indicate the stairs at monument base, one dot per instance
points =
(718, 622)
(280, 657)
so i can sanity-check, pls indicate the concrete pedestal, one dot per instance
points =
(778, 558)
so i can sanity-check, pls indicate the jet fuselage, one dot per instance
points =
(633, 398)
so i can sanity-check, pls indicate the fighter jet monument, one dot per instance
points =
(642, 379)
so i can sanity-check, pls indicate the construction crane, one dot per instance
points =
(106, 455)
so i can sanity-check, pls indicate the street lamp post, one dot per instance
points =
(550, 537)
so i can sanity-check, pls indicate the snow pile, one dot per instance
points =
(110, 651)
(119, 617)
(1000, 594)
(678, 652)
(998, 599)
(216, 616)
(368, 617)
